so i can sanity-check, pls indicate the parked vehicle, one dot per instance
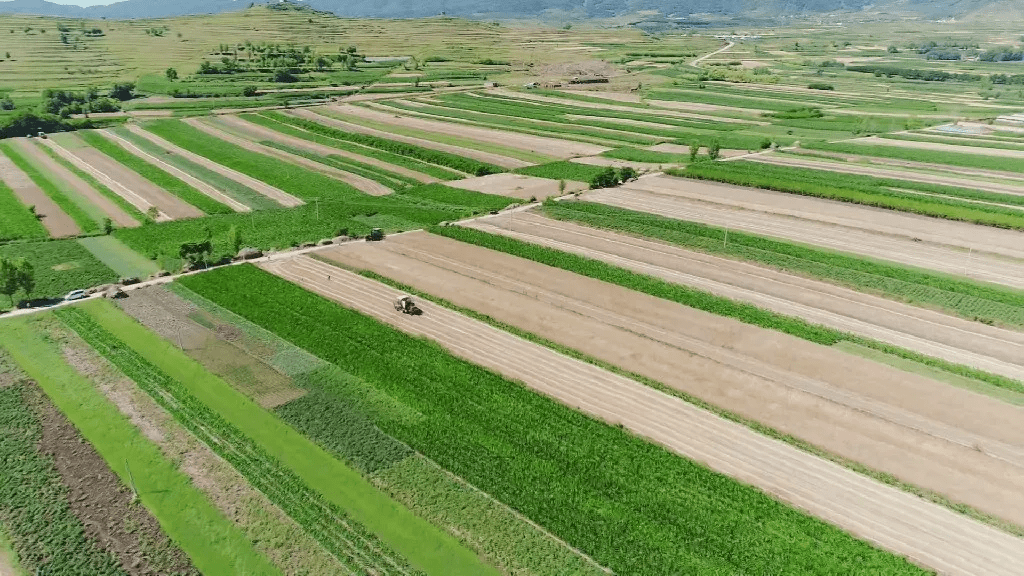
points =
(75, 295)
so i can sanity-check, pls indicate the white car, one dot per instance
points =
(75, 295)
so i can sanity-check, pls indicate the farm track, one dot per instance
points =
(926, 533)
(496, 159)
(360, 183)
(984, 253)
(262, 133)
(279, 196)
(117, 215)
(548, 146)
(55, 220)
(930, 333)
(879, 172)
(178, 173)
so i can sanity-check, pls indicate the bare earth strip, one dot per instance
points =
(632, 109)
(115, 212)
(553, 147)
(958, 171)
(279, 196)
(877, 233)
(998, 152)
(365, 185)
(121, 175)
(931, 333)
(518, 186)
(177, 172)
(57, 223)
(926, 533)
(140, 201)
(878, 172)
(496, 159)
(262, 133)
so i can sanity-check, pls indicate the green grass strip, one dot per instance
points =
(320, 134)
(562, 170)
(389, 179)
(746, 313)
(296, 180)
(649, 156)
(969, 299)
(118, 257)
(422, 544)
(213, 543)
(951, 158)
(631, 505)
(154, 174)
(134, 212)
(16, 222)
(84, 220)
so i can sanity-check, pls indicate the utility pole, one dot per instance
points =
(970, 252)
(317, 200)
(726, 241)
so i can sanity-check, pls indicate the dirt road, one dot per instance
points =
(553, 147)
(725, 48)
(279, 196)
(260, 133)
(55, 220)
(212, 127)
(180, 174)
(879, 172)
(116, 214)
(928, 534)
(931, 333)
(490, 158)
(984, 253)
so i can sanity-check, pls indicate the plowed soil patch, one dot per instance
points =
(57, 223)
(902, 522)
(518, 186)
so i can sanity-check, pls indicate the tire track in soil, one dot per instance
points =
(925, 533)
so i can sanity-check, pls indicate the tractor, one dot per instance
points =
(405, 305)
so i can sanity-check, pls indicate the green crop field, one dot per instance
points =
(563, 170)
(70, 204)
(471, 422)
(16, 222)
(60, 267)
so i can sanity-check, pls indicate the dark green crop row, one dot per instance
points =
(746, 313)
(389, 179)
(157, 176)
(632, 506)
(16, 222)
(59, 197)
(937, 201)
(974, 142)
(563, 170)
(950, 158)
(353, 545)
(34, 510)
(427, 155)
(966, 298)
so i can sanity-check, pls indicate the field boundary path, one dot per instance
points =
(903, 523)
(189, 179)
(281, 197)
(363, 184)
(130, 196)
(697, 61)
(930, 333)
(490, 158)
(115, 212)
(55, 220)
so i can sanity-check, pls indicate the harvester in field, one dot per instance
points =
(405, 305)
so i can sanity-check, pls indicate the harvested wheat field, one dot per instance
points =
(984, 253)
(930, 535)
(55, 220)
(931, 333)
(518, 186)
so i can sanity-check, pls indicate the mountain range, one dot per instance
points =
(764, 9)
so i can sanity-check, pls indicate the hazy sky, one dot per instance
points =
(83, 2)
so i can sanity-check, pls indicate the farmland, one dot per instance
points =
(695, 298)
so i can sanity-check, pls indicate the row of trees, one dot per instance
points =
(64, 103)
(16, 275)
